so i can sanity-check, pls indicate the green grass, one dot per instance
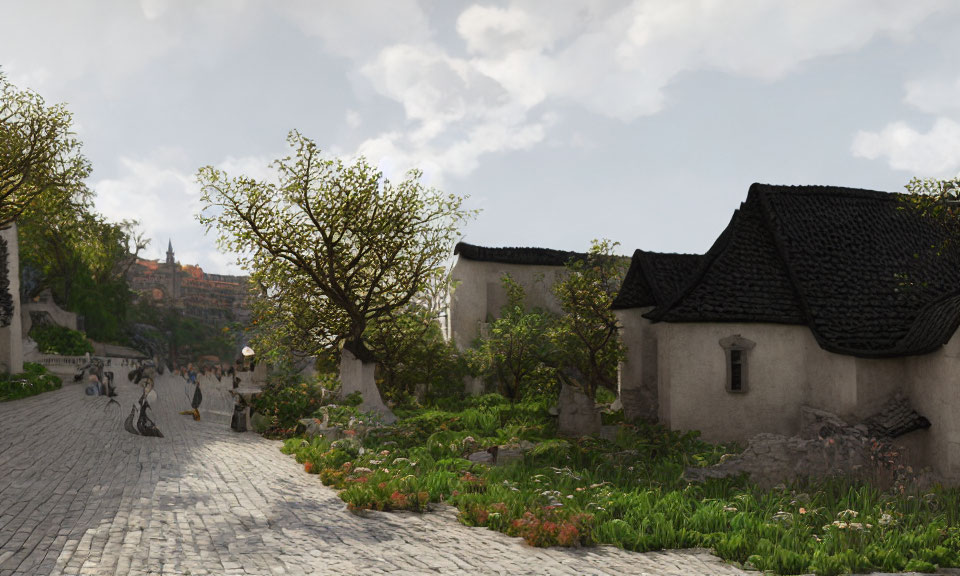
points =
(32, 381)
(630, 493)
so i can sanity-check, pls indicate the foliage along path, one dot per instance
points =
(79, 495)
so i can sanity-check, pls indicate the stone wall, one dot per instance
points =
(478, 293)
(11, 330)
(933, 387)
(787, 370)
(44, 306)
(637, 374)
(693, 376)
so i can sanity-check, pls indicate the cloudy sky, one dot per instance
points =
(641, 121)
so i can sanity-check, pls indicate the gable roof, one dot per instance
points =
(655, 278)
(526, 256)
(859, 267)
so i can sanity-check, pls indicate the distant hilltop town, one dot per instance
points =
(212, 298)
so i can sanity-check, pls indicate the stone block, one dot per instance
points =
(578, 413)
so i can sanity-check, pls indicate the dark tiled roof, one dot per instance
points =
(527, 256)
(895, 419)
(858, 266)
(742, 280)
(655, 278)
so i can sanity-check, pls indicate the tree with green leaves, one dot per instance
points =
(413, 353)
(332, 246)
(82, 258)
(39, 153)
(588, 331)
(518, 352)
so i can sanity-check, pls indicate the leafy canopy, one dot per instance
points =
(588, 331)
(331, 245)
(39, 153)
(518, 352)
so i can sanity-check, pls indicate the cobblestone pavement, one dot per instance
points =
(79, 495)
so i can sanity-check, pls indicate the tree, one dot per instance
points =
(82, 258)
(39, 154)
(517, 351)
(412, 352)
(588, 332)
(332, 246)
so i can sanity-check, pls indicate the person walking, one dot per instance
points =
(192, 378)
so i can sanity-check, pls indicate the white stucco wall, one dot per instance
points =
(788, 369)
(693, 372)
(638, 374)
(933, 386)
(478, 293)
(11, 337)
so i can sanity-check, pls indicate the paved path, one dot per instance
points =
(79, 495)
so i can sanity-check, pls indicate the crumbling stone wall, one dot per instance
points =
(826, 446)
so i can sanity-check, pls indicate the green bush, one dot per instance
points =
(35, 379)
(54, 339)
(285, 400)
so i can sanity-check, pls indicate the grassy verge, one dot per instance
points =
(34, 380)
(629, 493)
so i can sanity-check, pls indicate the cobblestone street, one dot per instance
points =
(79, 495)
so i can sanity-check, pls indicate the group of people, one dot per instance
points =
(144, 373)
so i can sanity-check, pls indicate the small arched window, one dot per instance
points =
(737, 349)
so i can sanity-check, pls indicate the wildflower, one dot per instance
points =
(376, 462)
(886, 520)
(802, 510)
(362, 470)
(847, 514)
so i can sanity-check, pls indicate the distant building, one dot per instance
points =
(212, 298)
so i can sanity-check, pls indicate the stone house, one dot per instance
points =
(478, 293)
(833, 298)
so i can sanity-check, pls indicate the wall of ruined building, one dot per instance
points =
(933, 386)
(693, 379)
(11, 336)
(787, 370)
(637, 374)
(478, 293)
(58, 315)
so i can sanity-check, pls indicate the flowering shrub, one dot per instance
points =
(548, 527)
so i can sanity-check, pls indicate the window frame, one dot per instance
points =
(742, 345)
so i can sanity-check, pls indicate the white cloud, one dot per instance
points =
(354, 119)
(358, 28)
(165, 200)
(935, 153)
(527, 60)
(934, 95)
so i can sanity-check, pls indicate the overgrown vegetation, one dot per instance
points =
(518, 355)
(35, 379)
(629, 492)
(55, 339)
